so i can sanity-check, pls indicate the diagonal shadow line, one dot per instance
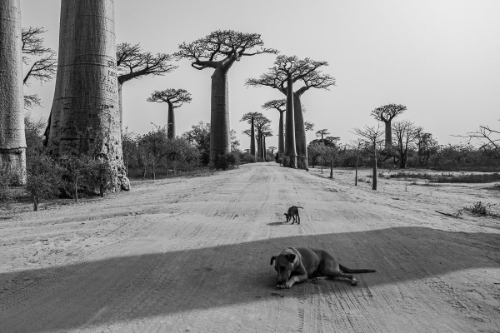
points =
(131, 287)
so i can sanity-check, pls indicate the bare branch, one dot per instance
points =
(176, 97)
(133, 63)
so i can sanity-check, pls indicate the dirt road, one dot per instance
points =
(192, 255)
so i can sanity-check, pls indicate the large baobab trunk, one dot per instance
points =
(252, 142)
(300, 134)
(219, 126)
(388, 134)
(171, 122)
(290, 147)
(259, 145)
(120, 103)
(264, 153)
(374, 173)
(12, 138)
(85, 116)
(281, 139)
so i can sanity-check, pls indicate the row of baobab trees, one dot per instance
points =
(86, 113)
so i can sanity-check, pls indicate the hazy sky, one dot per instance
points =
(439, 58)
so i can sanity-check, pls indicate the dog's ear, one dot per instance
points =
(273, 258)
(290, 257)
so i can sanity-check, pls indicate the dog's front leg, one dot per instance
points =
(295, 279)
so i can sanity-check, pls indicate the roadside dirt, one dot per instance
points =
(192, 255)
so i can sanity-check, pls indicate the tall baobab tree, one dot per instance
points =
(287, 71)
(85, 115)
(174, 99)
(386, 114)
(12, 137)
(322, 133)
(261, 125)
(133, 63)
(249, 117)
(40, 61)
(264, 148)
(219, 50)
(280, 105)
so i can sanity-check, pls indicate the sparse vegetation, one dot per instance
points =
(480, 208)
(450, 177)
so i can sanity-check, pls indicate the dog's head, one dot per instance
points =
(283, 264)
(287, 217)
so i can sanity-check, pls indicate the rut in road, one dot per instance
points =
(194, 255)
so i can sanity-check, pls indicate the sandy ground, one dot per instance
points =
(192, 255)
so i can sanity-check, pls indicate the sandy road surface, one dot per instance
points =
(192, 255)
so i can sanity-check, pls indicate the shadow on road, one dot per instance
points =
(133, 287)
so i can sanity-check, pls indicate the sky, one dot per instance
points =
(439, 58)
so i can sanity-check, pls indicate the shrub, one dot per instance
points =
(7, 179)
(478, 208)
(247, 158)
(44, 178)
(225, 161)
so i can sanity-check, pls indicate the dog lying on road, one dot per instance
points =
(293, 212)
(296, 265)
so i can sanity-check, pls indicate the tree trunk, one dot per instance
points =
(300, 134)
(281, 138)
(331, 168)
(12, 137)
(76, 192)
(252, 141)
(219, 123)
(171, 122)
(259, 145)
(264, 152)
(374, 175)
(388, 134)
(35, 202)
(85, 115)
(357, 162)
(290, 147)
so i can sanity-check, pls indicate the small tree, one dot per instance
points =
(371, 138)
(405, 134)
(322, 133)
(44, 178)
(78, 170)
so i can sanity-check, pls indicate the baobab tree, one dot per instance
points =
(12, 137)
(386, 114)
(371, 139)
(85, 116)
(287, 71)
(133, 63)
(174, 99)
(249, 117)
(322, 133)
(261, 125)
(264, 148)
(280, 106)
(40, 61)
(219, 50)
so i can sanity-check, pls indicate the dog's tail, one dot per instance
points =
(350, 270)
(299, 207)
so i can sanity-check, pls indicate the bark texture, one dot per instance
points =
(12, 137)
(388, 134)
(85, 116)
(219, 129)
(290, 147)
(300, 133)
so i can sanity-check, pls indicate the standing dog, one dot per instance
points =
(293, 212)
(295, 265)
